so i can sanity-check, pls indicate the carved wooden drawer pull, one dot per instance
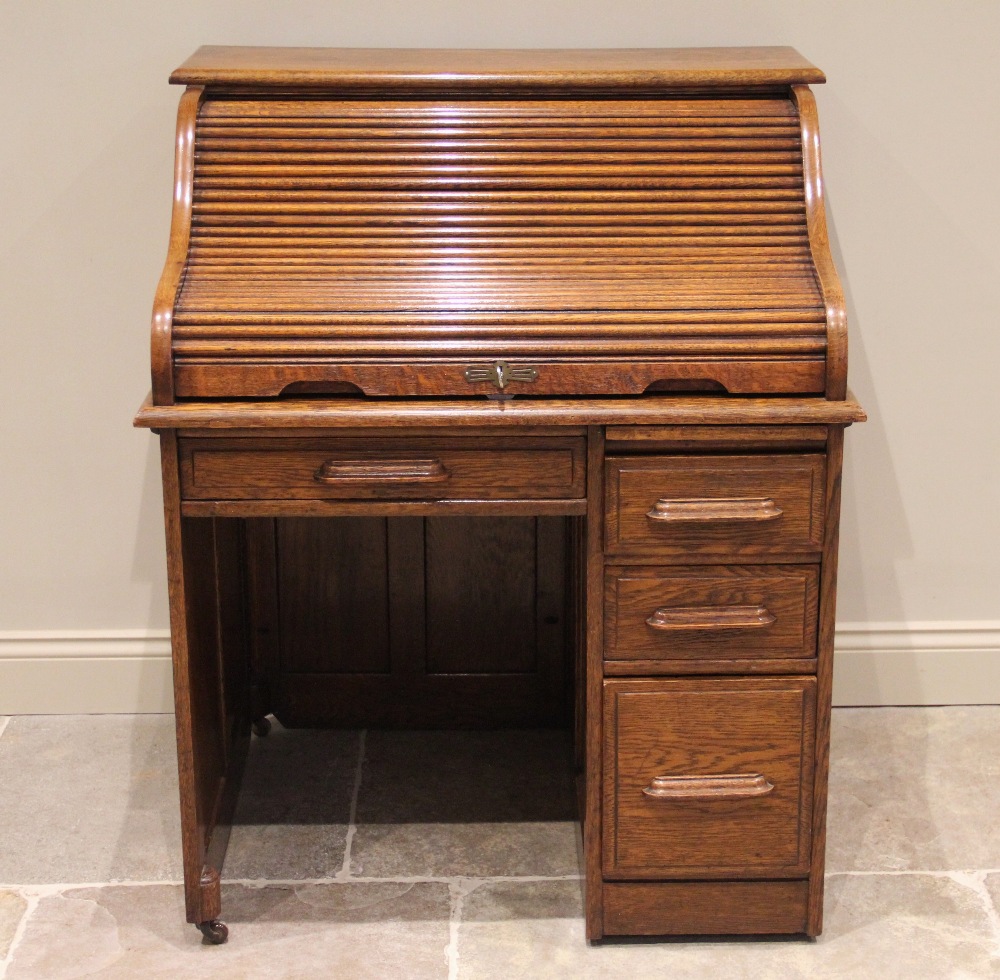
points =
(723, 509)
(382, 470)
(710, 618)
(734, 786)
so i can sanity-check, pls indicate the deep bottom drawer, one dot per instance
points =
(699, 908)
(708, 778)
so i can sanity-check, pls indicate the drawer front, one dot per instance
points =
(708, 777)
(711, 612)
(733, 506)
(381, 468)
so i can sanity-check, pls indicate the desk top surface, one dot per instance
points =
(421, 67)
(517, 413)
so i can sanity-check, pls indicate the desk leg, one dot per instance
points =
(592, 676)
(824, 679)
(205, 567)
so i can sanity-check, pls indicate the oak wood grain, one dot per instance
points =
(681, 619)
(333, 596)
(211, 684)
(161, 337)
(381, 627)
(633, 219)
(391, 468)
(723, 786)
(279, 507)
(826, 270)
(707, 728)
(680, 613)
(457, 413)
(633, 246)
(708, 666)
(593, 816)
(471, 68)
(220, 377)
(744, 505)
(621, 439)
(824, 677)
(689, 908)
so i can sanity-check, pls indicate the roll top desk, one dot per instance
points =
(432, 318)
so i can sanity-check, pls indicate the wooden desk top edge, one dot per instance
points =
(422, 67)
(397, 413)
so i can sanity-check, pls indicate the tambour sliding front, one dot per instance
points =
(509, 388)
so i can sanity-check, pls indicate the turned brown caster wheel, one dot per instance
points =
(214, 931)
(261, 726)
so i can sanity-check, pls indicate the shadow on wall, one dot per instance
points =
(149, 553)
(875, 536)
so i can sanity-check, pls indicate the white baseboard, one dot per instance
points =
(128, 671)
(56, 672)
(953, 662)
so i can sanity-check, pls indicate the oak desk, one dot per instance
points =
(635, 534)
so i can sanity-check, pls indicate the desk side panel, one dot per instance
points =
(209, 645)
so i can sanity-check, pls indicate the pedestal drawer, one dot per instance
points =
(708, 777)
(382, 468)
(731, 506)
(711, 612)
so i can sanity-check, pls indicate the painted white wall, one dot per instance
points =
(911, 133)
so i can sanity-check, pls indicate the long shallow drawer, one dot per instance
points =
(392, 469)
(708, 777)
(711, 612)
(737, 506)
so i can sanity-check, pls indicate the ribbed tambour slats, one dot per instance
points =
(619, 229)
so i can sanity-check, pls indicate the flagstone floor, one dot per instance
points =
(455, 856)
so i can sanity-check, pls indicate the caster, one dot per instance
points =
(215, 931)
(261, 726)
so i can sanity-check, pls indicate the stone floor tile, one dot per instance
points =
(12, 909)
(466, 803)
(914, 789)
(292, 816)
(993, 887)
(350, 931)
(89, 798)
(901, 926)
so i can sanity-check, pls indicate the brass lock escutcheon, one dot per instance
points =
(500, 373)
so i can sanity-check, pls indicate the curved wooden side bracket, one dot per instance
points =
(180, 233)
(819, 243)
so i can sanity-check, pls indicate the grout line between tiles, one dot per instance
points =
(57, 888)
(451, 950)
(19, 932)
(43, 890)
(927, 873)
(457, 891)
(474, 881)
(352, 826)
